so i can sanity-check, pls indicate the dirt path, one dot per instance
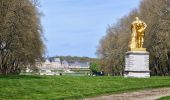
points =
(150, 94)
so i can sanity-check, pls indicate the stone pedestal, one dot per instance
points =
(137, 64)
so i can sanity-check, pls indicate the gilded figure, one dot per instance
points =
(137, 36)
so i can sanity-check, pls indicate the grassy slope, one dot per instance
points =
(165, 98)
(63, 87)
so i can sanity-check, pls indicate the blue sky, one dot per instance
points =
(74, 27)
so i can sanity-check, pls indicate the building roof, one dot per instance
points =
(56, 60)
(79, 64)
(65, 62)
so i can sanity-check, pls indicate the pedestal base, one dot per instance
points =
(137, 64)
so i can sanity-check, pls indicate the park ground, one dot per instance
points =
(147, 94)
(70, 87)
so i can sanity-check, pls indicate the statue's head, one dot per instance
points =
(136, 18)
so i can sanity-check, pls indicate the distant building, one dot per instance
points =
(65, 64)
(80, 67)
(55, 66)
(49, 67)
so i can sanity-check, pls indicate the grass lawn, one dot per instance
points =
(165, 98)
(69, 87)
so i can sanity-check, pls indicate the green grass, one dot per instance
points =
(69, 87)
(164, 98)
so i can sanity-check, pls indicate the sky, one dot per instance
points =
(75, 27)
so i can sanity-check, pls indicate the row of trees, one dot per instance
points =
(112, 47)
(74, 58)
(21, 41)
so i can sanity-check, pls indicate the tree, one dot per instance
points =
(94, 66)
(112, 47)
(158, 34)
(21, 43)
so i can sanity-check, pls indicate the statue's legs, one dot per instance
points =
(142, 40)
(137, 41)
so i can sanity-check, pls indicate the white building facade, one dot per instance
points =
(58, 67)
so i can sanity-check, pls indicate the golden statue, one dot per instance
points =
(138, 29)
